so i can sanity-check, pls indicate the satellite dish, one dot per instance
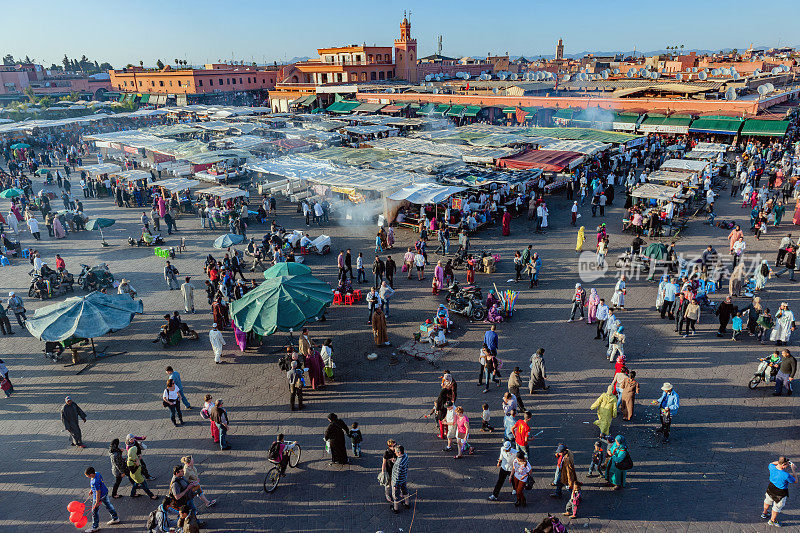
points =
(714, 72)
(757, 72)
(605, 74)
(513, 76)
(655, 75)
(584, 76)
(630, 74)
(762, 89)
(436, 91)
(736, 76)
(502, 76)
(784, 68)
(679, 76)
(467, 76)
(566, 77)
(730, 94)
(703, 76)
(694, 69)
(642, 72)
(616, 71)
(776, 70)
(428, 77)
(770, 87)
(494, 90)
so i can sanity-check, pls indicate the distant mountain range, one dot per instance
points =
(639, 53)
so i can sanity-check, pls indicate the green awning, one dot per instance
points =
(368, 108)
(765, 128)
(717, 124)
(305, 100)
(592, 116)
(343, 106)
(414, 105)
(564, 114)
(508, 110)
(455, 111)
(144, 99)
(472, 110)
(427, 109)
(626, 118)
(441, 108)
(657, 123)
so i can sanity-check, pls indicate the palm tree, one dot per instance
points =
(141, 63)
(176, 62)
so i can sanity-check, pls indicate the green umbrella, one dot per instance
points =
(84, 317)
(42, 172)
(656, 250)
(20, 145)
(11, 193)
(287, 269)
(283, 303)
(228, 240)
(99, 224)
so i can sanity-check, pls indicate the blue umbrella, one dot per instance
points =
(227, 240)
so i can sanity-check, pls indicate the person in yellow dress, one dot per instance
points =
(606, 407)
(581, 239)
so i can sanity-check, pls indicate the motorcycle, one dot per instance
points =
(469, 307)
(49, 284)
(95, 278)
(456, 290)
(761, 373)
(460, 258)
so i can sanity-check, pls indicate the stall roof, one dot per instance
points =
(663, 124)
(547, 160)
(712, 147)
(657, 192)
(218, 155)
(472, 110)
(418, 146)
(224, 193)
(500, 139)
(367, 130)
(169, 129)
(717, 124)
(102, 168)
(342, 106)
(133, 175)
(583, 134)
(765, 128)
(684, 165)
(668, 175)
(564, 145)
(215, 125)
(455, 111)
(177, 184)
(344, 155)
(426, 193)
(422, 163)
(697, 154)
(368, 108)
(469, 176)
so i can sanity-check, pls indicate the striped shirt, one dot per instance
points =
(400, 470)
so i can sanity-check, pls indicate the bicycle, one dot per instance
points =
(273, 476)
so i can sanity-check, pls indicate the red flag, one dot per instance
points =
(521, 115)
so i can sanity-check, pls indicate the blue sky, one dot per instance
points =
(202, 31)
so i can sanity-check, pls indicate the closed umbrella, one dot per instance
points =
(282, 303)
(99, 224)
(227, 240)
(287, 269)
(84, 317)
(11, 193)
(656, 250)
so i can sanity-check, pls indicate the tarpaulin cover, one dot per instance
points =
(547, 160)
(426, 193)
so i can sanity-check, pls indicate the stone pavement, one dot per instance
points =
(711, 477)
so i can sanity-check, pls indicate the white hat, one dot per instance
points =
(667, 386)
(11, 293)
(214, 325)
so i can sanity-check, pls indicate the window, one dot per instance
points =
(339, 78)
(372, 76)
(234, 81)
(363, 76)
(389, 74)
(228, 81)
(381, 75)
(140, 84)
(152, 84)
(248, 79)
(240, 81)
(200, 83)
(358, 57)
(210, 82)
(387, 57)
(179, 83)
(399, 57)
(221, 81)
(369, 58)
(170, 83)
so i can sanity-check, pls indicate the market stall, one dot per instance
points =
(546, 160)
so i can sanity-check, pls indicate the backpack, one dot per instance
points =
(152, 521)
(274, 451)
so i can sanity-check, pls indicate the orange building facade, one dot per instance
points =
(189, 81)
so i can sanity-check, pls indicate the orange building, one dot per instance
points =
(346, 64)
(217, 78)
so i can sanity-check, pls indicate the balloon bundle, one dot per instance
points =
(508, 299)
(76, 509)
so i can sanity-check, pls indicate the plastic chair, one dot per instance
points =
(711, 287)
(25, 253)
(348, 299)
(4, 261)
(357, 295)
(337, 298)
(157, 251)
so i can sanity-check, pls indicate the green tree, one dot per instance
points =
(29, 93)
(46, 102)
(105, 66)
(66, 63)
(160, 65)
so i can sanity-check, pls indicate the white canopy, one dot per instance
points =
(661, 193)
(102, 168)
(133, 175)
(224, 193)
(685, 165)
(666, 175)
(177, 184)
(711, 147)
(426, 193)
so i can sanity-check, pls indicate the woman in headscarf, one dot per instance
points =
(315, 372)
(334, 435)
(763, 273)
(219, 309)
(618, 299)
(162, 208)
(438, 274)
(627, 398)
(12, 221)
(753, 312)
(379, 328)
(617, 453)
(581, 239)
(390, 237)
(606, 407)
(506, 223)
(58, 228)
(736, 280)
(592, 303)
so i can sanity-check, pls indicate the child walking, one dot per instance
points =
(574, 500)
(597, 456)
(736, 325)
(485, 426)
(355, 439)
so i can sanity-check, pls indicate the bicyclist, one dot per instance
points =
(276, 454)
